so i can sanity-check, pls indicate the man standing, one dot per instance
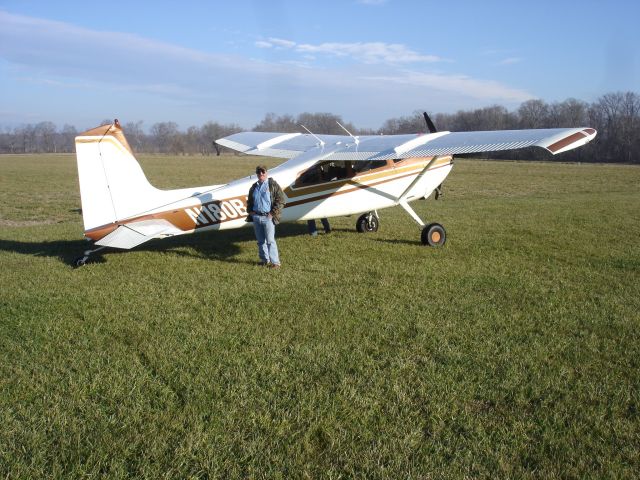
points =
(264, 204)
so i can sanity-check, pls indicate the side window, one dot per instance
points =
(336, 170)
(339, 170)
(313, 175)
(325, 172)
(361, 167)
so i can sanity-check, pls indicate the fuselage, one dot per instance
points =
(312, 189)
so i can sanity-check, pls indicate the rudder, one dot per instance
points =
(113, 186)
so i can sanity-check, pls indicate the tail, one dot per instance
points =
(113, 187)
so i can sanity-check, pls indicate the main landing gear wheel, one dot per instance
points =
(434, 235)
(367, 223)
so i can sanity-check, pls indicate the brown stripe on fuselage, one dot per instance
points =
(566, 141)
(181, 219)
(178, 218)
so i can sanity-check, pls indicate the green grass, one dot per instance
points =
(512, 352)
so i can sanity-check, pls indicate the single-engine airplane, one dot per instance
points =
(323, 176)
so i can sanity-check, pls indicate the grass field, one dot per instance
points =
(512, 352)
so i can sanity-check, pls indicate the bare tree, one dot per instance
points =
(410, 124)
(67, 138)
(135, 135)
(277, 123)
(163, 136)
(326, 123)
(616, 116)
(533, 114)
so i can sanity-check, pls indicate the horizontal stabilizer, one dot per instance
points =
(133, 234)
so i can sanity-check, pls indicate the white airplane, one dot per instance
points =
(324, 176)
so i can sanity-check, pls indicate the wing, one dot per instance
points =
(382, 147)
(281, 145)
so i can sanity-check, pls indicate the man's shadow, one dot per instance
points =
(214, 245)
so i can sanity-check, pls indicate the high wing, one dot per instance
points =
(382, 147)
(280, 145)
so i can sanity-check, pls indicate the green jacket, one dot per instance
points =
(277, 200)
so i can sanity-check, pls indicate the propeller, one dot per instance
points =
(430, 126)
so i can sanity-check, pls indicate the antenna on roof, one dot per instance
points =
(315, 136)
(357, 140)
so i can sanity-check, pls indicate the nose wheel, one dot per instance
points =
(434, 235)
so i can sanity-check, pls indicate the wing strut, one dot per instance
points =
(356, 139)
(404, 194)
(402, 199)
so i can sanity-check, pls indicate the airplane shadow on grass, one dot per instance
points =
(220, 245)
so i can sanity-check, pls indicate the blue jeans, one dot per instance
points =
(312, 226)
(266, 236)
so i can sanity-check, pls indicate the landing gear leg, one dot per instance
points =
(84, 259)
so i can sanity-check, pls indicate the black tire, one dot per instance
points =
(363, 225)
(434, 235)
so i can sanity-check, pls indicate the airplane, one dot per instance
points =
(323, 176)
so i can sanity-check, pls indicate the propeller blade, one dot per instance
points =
(432, 128)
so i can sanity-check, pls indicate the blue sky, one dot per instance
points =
(78, 63)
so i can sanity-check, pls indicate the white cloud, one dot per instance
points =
(125, 72)
(510, 61)
(370, 52)
(363, 52)
(279, 42)
(487, 90)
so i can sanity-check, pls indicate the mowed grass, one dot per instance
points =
(511, 352)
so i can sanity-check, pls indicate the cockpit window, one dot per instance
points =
(360, 167)
(325, 172)
(336, 170)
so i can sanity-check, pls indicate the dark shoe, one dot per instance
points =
(274, 266)
(327, 231)
(263, 264)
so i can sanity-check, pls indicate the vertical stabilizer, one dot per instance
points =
(112, 185)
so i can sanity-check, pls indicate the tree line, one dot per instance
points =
(616, 116)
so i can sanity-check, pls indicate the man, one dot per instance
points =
(264, 204)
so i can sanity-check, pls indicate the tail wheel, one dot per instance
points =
(367, 223)
(80, 261)
(434, 235)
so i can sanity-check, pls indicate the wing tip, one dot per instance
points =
(575, 140)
